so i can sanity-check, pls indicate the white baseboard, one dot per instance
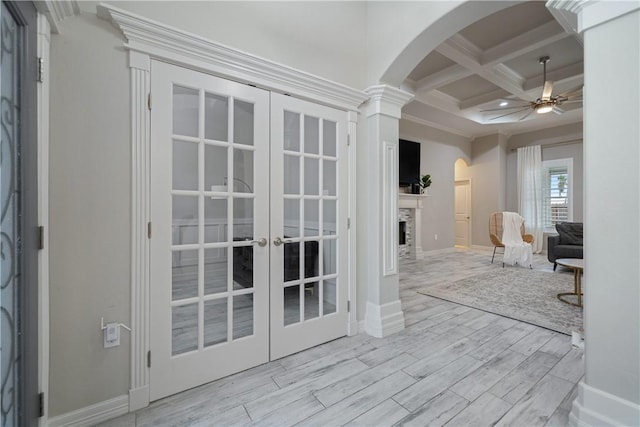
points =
(361, 326)
(595, 407)
(138, 398)
(93, 414)
(383, 320)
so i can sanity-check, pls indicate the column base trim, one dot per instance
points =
(383, 320)
(595, 407)
(138, 398)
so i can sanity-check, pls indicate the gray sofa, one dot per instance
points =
(567, 244)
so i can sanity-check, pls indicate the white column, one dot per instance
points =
(383, 314)
(609, 394)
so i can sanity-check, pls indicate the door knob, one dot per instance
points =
(261, 242)
(278, 241)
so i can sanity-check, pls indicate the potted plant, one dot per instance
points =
(425, 182)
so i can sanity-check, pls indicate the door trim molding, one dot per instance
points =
(140, 66)
(145, 40)
(180, 47)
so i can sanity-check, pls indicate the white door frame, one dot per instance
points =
(469, 223)
(147, 39)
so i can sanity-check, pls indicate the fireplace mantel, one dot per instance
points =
(411, 201)
(415, 203)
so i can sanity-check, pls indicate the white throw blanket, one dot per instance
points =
(516, 251)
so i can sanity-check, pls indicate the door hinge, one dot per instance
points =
(40, 238)
(348, 223)
(149, 101)
(348, 306)
(149, 229)
(149, 359)
(40, 69)
(41, 405)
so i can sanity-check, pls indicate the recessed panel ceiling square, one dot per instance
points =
(562, 53)
(506, 24)
(431, 63)
(468, 87)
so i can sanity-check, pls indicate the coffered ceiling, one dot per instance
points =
(496, 61)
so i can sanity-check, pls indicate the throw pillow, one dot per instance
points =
(570, 233)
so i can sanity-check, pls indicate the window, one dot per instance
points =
(557, 192)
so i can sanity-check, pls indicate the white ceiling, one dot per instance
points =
(495, 60)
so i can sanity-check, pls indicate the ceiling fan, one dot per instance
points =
(547, 102)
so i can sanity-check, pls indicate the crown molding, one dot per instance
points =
(57, 11)
(183, 48)
(434, 125)
(580, 15)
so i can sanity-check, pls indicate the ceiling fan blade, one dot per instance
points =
(572, 101)
(569, 93)
(557, 110)
(505, 108)
(546, 90)
(526, 115)
(508, 114)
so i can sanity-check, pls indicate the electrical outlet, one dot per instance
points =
(111, 335)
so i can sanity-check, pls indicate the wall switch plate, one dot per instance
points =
(111, 335)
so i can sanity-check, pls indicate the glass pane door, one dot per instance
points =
(211, 134)
(308, 292)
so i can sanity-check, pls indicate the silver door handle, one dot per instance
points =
(262, 242)
(278, 241)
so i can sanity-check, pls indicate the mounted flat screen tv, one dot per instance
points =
(408, 162)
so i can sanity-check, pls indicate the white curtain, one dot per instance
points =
(530, 192)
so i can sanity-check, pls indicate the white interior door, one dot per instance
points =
(249, 214)
(462, 212)
(308, 225)
(209, 268)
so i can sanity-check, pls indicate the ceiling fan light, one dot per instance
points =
(544, 109)
(504, 103)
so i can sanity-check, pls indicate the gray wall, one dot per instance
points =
(89, 213)
(487, 172)
(438, 153)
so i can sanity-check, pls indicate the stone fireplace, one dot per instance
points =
(409, 225)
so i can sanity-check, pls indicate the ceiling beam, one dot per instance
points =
(465, 53)
(441, 78)
(524, 43)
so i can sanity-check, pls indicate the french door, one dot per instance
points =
(247, 220)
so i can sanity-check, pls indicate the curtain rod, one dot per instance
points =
(554, 144)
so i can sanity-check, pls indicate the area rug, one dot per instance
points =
(518, 293)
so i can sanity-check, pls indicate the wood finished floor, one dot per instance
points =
(452, 365)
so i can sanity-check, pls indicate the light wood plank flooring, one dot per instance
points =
(452, 365)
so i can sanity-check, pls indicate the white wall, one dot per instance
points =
(90, 161)
(438, 153)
